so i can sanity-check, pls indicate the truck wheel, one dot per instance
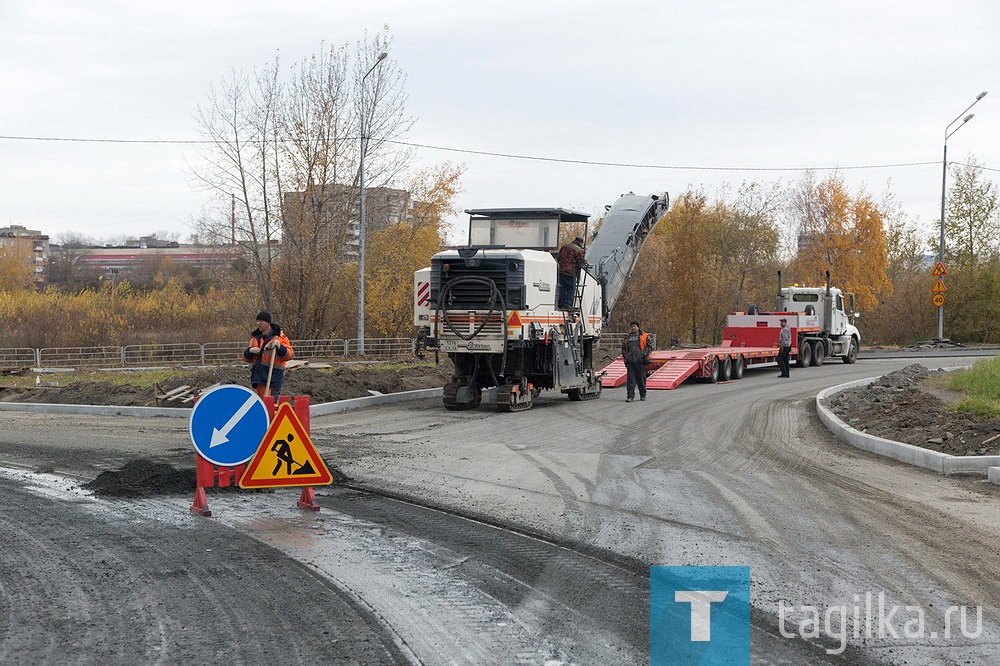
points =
(725, 369)
(712, 375)
(805, 355)
(739, 365)
(819, 352)
(852, 352)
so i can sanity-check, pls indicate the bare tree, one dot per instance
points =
(287, 149)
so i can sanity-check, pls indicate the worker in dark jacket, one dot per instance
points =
(636, 348)
(784, 348)
(266, 341)
(571, 257)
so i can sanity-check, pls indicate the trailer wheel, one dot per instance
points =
(852, 352)
(805, 355)
(713, 371)
(725, 369)
(819, 352)
(739, 365)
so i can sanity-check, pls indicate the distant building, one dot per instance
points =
(120, 257)
(33, 243)
(335, 209)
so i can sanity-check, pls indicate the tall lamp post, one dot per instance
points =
(944, 182)
(361, 216)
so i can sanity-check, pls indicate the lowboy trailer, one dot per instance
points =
(821, 328)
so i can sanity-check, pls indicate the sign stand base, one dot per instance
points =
(308, 499)
(200, 504)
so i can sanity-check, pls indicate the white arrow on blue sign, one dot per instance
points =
(228, 424)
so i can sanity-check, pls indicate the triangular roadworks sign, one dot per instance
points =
(286, 456)
(939, 270)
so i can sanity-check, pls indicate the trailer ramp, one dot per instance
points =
(615, 374)
(674, 369)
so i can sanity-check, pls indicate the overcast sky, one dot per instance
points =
(729, 90)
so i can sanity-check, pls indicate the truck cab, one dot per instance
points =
(825, 302)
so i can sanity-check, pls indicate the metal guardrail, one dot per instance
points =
(183, 353)
(190, 353)
(613, 341)
(319, 348)
(80, 357)
(382, 347)
(18, 357)
(213, 353)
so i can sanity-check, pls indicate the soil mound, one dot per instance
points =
(339, 382)
(898, 407)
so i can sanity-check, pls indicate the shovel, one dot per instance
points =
(270, 369)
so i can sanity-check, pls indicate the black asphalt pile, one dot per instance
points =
(143, 478)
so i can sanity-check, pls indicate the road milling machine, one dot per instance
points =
(492, 306)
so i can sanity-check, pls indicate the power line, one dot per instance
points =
(514, 156)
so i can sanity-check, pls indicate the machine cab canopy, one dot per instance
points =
(520, 228)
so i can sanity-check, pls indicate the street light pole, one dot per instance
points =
(361, 216)
(944, 183)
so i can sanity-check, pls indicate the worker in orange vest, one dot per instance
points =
(636, 348)
(267, 344)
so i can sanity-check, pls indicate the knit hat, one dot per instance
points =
(264, 316)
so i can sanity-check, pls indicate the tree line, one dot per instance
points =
(281, 157)
(710, 255)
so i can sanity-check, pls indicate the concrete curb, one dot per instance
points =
(96, 410)
(372, 400)
(321, 409)
(942, 463)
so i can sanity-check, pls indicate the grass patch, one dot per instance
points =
(981, 386)
(140, 378)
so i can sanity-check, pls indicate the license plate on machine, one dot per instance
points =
(484, 346)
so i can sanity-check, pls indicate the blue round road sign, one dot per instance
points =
(228, 424)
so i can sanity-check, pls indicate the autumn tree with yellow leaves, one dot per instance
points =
(840, 233)
(406, 246)
(705, 258)
(16, 264)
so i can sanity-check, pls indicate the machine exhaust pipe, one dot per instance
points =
(777, 297)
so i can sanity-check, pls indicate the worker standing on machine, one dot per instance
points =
(571, 258)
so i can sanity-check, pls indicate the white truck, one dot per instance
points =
(820, 317)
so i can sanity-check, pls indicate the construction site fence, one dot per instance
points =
(210, 353)
(219, 353)
(611, 341)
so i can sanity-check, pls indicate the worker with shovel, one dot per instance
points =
(267, 352)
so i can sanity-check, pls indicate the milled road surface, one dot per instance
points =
(738, 474)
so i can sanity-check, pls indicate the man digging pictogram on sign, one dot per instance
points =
(282, 449)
